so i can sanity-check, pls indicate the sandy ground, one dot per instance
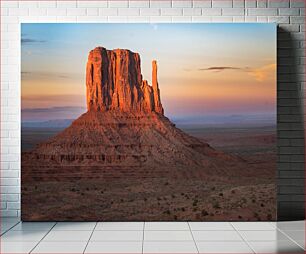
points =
(114, 194)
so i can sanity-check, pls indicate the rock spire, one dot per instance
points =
(114, 82)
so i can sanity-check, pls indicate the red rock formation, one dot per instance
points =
(114, 82)
(156, 93)
(125, 143)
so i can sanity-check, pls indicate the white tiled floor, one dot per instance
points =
(152, 237)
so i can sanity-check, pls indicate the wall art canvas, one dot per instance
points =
(148, 122)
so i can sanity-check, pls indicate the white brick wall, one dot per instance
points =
(289, 13)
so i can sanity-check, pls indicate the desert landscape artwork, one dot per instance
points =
(148, 122)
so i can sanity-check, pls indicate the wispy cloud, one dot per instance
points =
(263, 73)
(35, 114)
(220, 68)
(29, 41)
(49, 75)
(260, 73)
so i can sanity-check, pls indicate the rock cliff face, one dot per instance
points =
(114, 82)
(118, 159)
(125, 123)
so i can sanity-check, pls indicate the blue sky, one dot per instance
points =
(197, 62)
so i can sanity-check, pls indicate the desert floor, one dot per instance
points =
(125, 194)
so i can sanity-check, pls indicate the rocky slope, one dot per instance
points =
(124, 160)
(125, 123)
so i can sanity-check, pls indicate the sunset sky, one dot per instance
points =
(203, 69)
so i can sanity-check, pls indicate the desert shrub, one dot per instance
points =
(233, 191)
(262, 205)
(213, 188)
(175, 217)
(121, 200)
(182, 194)
(195, 202)
(194, 209)
(158, 198)
(167, 212)
(166, 183)
(216, 205)
(73, 189)
(269, 216)
(145, 199)
(204, 212)
(87, 189)
(221, 194)
(253, 200)
(239, 217)
(173, 196)
(183, 209)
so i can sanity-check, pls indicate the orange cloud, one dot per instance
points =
(260, 74)
(263, 73)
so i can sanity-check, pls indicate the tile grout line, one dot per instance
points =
(90, 237)
(290, 238)
(10, 228)
(244, 240)
(42, 238)
(193, 237)
(143, 232)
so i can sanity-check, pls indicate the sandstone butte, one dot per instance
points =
(124, 125)
(114, 82)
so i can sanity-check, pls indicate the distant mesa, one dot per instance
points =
(114, 82)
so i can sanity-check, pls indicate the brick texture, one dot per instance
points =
(289, 14)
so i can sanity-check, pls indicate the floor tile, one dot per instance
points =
(17, 247)
(297, 236)
(119, 226)
(63, 226)
(5, 226)
(60, 247)
(33, 226)
(101, 236)
(68, 236)
(253, 225)
(166, 226)
(168, 236)
(169, 247)
(23, 236)
(276, 247)
(223, 247)
(273, 235)
(114, 247)
(211, 226)
(291, 225)
(216, 236)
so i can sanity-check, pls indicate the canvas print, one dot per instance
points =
(148, 122)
